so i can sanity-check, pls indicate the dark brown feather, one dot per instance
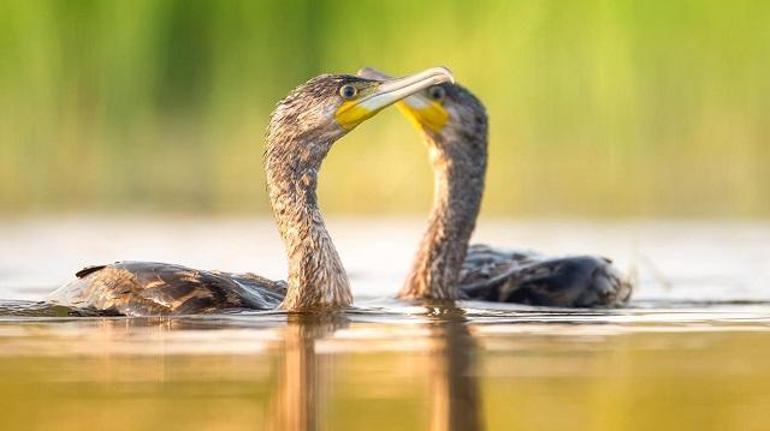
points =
(530, 278)
(149, 288)
(89, 269)
(300, 133)
(445, 268)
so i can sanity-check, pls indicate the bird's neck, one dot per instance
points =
(458, 189)
(317, 279)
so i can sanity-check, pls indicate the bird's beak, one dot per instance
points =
(353, 112)
(422, 111)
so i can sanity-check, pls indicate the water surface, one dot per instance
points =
(689, 353)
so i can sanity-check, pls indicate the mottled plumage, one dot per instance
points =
(293, 159)
(526, 277)
(301, 131)
(458, 157)
(442, 270)
(149, 288)
(298, 137)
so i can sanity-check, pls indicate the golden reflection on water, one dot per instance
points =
(442, 370)
(303, 381)
(300, 390)
(456, 401)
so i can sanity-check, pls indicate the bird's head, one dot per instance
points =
(328, 106)
(449, 115)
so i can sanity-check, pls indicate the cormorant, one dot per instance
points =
(453, 123)
(302, 130)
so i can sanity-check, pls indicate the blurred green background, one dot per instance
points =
(598, 107)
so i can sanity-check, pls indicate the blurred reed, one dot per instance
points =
(597, 107)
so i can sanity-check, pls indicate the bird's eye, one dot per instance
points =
(436, 93)
(348, 91)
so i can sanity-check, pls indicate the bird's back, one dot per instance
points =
(150, 288)
(525, 277)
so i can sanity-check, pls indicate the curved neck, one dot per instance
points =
(317, 279)
(458, 187)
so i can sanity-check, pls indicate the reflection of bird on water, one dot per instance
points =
(454, 390)
(301, 394)
(302, 129)
(453, 123)
(299, 397)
